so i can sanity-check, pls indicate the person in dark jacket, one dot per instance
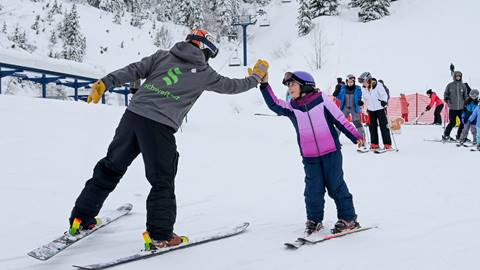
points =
(339, 85)
(174, 80)
(455, 96)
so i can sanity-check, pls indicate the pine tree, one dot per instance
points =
(373, 10)
(53, 38)
(19, 38)
(323, 8)
(355, 3)
(118, 17)
(111, 5)
(74, 42)
(36, 25)
(162, 39)
(304, 19)
(226, 12)
(196, 19)
(4, 28)
(164, 10)
(138, 14)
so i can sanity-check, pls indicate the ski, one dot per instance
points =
(265, 114)
(147, 254)
(51, 249)
(379, 151)
(316, 240)
(295, 244)
(363, 150)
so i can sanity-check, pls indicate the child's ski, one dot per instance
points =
(147, 254)
(363, 150)
(295, 244)
(316, 240)
(51, 249)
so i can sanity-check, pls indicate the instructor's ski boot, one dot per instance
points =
(388, 147)
(343, 225)
(312, 227)
(374, 146)
(447, 139)
(152, 244)
(78, 225)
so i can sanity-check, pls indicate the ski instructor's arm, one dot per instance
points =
(223, 85)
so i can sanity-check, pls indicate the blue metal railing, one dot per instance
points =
(44, 77)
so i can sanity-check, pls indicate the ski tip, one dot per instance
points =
(35, 256)
(126, 207)
(82, 267)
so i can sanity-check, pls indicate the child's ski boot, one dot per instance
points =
(343, 225)
(312, 227)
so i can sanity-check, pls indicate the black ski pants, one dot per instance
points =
(134, 135)
(452, 118)
(376, 118)
(437, 118)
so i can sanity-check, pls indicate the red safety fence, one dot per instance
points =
(417, 103)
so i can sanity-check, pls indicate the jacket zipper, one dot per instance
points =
(313, 130)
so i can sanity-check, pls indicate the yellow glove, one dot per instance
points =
(259, 71)
(98, 88)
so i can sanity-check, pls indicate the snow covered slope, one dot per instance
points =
(233, 168)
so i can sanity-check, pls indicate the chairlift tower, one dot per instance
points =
(244, 21)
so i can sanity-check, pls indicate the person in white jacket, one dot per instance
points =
(375, 97)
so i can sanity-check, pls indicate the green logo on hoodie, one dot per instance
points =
(159, 91)
(172, 77)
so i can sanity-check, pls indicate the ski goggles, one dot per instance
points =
(207, 40)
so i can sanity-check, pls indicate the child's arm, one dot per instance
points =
(339, 120)
(474, 115)
(277, 105)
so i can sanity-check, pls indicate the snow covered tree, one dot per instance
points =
(53, 38)
(139, 13)
(163, 39)
(111, 5)
(304, 19)
(55, 8)
(355, 3)
(118, 17)
(36, 25)
(323, 8)
(19, 38)
(226, 12)
(196, 19)
(4, 28)
(373, 10)
(74, 42)
(164, 10)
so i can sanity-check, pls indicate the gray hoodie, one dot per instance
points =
(174, 80)
(455, 93)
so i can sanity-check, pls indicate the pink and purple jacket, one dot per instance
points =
(314, 117)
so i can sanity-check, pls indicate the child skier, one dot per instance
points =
(470, 106)
(174, 80)
(435, 100)
(475, 119)
(315, 117)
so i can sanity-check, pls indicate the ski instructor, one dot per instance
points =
(174, 80)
